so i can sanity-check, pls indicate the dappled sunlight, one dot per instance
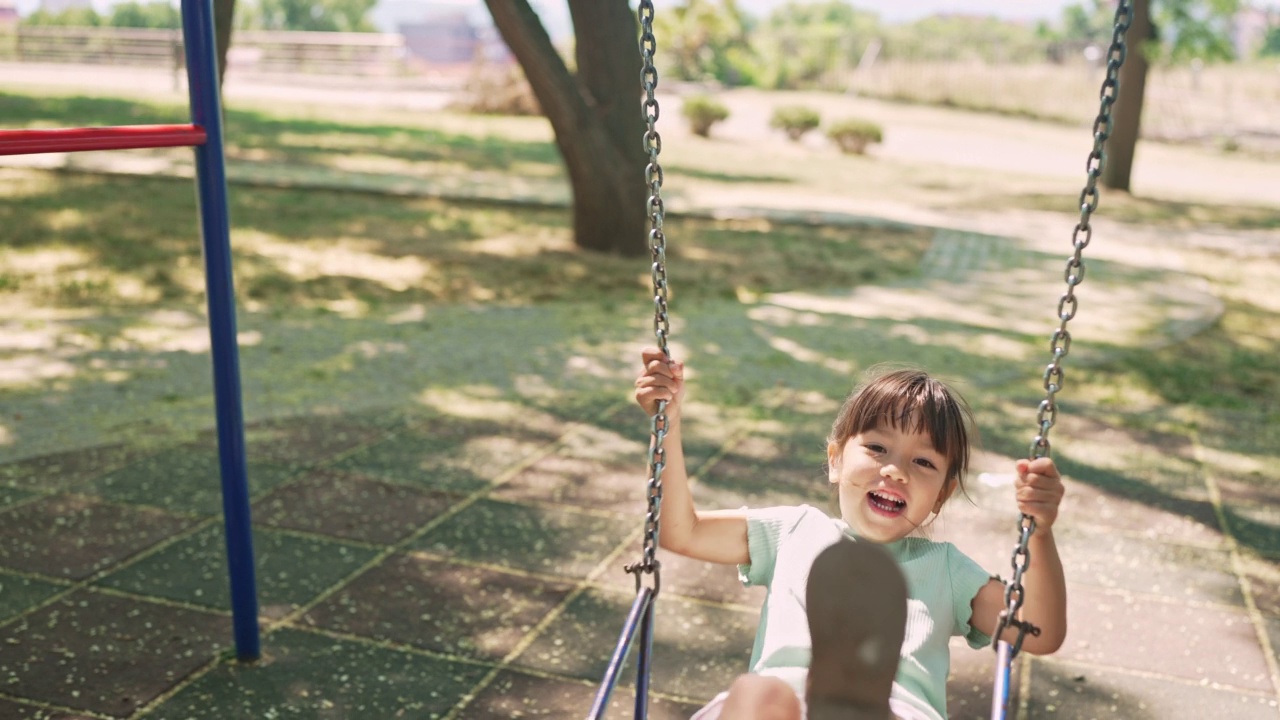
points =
(482, 402)
(795, 350)
(65, 219)
(386, 164)
(28, 370)
(1221, 460)
(42, 260)
(351, 257)
(523, 245)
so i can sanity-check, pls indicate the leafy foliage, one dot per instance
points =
(321, 15)
(156, 14)
(795, 120)
(704, 40)
(853, 135)
(703, 112)
(813, 45)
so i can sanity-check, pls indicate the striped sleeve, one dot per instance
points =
(765, 529)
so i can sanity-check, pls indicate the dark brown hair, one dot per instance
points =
(912, 401)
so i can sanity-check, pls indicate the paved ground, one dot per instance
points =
(444, 537)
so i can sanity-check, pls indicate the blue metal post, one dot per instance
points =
(1000, 693)
(643, 664)
(211, 187)
(641, 608)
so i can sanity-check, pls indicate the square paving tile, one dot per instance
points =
(185, 479)
(698, 648)
(106, 654)
(733, 483)
(1200, 644)
(15, 711)
(305, 440)
(350, 507)
(1179, 572)
(1256, 527)
(66, 471)
(970, 685)
(609, 444)
(291, 570)
(305, 675)
(1136, 464)
(580, 482)
(1068, 692)
(516, 695)
(18, 593)
(1191, 522)
(440, 606)
(12, 496)
(74, 537)
(688, 578)
(1264, 581)
(558, 541)
(449, 453)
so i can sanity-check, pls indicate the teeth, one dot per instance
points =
(888, 502)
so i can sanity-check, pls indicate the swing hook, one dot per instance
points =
(640, 568)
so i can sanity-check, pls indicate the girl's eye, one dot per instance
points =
(875, 447)
(926, 463)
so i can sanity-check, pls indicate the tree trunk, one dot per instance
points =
(596, 117)
(1127, 113)
(224, 12)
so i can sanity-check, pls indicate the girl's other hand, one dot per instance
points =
(662, 379)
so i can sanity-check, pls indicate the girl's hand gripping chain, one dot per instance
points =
(662, 379)
(1039, 491)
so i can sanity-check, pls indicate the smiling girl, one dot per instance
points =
(844, 593)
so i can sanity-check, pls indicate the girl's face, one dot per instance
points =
(890, 482)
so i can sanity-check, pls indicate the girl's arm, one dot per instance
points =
(1039, 492)
(719, 536)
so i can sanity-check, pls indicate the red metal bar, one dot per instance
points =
(122, 137)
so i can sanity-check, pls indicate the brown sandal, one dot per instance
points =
(856, 600)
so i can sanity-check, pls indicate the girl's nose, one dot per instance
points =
(891, 471)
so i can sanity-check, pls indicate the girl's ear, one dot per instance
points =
(833, 462)
(945, 494)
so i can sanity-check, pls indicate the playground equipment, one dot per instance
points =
(204, 134)
(641, 617)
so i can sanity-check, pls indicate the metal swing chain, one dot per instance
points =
(661, 322)
(1060, 342)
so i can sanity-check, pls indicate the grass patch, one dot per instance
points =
(92, 241)
(1124, 207)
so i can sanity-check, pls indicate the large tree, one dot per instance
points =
(1127, 113)
(224, 12)
(595, 113)
(1174, 30)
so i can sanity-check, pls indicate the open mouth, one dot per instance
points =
(886, 503)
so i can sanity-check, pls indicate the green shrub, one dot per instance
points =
(853, 135)
(795, 120)
(702, 112)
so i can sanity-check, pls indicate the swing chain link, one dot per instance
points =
(661, 321)
(1060, 343)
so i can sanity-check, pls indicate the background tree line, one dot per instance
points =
(313, 15)
(593, 104)
(807, 45)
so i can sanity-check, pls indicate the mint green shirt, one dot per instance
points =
(941, 585)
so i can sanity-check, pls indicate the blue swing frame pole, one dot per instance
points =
(211, 192)
(639, 618)
(642, 662)
(1000, 694)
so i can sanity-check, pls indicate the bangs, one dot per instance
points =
(910, 401)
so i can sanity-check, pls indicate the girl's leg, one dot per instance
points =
(857, 606)
(758, 697)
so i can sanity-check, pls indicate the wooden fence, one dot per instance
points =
(325, 53)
